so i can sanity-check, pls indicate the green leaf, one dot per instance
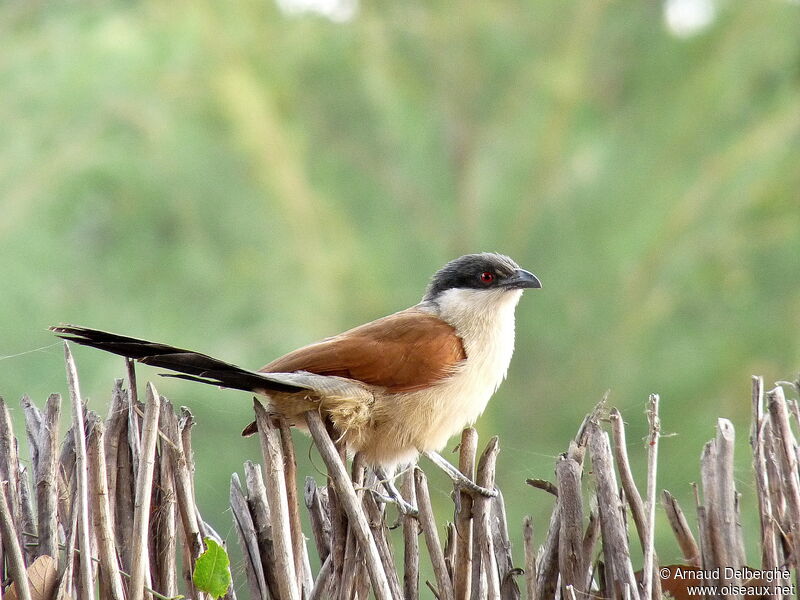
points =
(211, 571)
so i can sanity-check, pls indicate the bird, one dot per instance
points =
(392, 388)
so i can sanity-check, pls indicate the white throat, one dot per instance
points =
(484, 320)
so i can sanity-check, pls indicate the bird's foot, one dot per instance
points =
(393, 495)
(459, 479)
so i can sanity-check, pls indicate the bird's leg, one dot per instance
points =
(393, 493)
(459, 479)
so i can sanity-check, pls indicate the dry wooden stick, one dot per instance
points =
(166, 546)
(299, 551)
(428, 526)
(615, 543)
(248, 541)
(484, 567)
(109, 566)
(28, 525)
(680, 527)
(11, 545)
(33, 429)
(353, 558)
(570, 549)
(9, 466)
(316, 501)
(346, 494)
(589, 540)
(276, 495)
(321, 585)
(86, 590)
(767, 520)
(125, 485)
(779, 418)
(410, 541)
(450, 548)
(530, 557)
(726, 501)
(547, 563)
(651, 583)
(632, 494)
(144, 483)
(116, 422)
(46, 479)
(66, 570)
(462, 569)
(704, 527)
(375, 515)
(509, 590)
(262, 520)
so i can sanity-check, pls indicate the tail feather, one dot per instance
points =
(191, 365)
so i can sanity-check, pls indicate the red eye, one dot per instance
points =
(487, 277)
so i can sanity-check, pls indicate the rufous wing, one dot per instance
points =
(403, 352)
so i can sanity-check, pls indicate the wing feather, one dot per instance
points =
(403, 352)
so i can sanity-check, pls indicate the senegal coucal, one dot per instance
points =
(392, 388)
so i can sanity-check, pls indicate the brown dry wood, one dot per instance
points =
(321, 585)
(66, 569)
(11, 545)
(276, 495)
(352, 557)
(316, 501)
(428, 526)
(65, 473)
(143, 495)
(615, 544)
(248, 541)
(410, 541)
(725, 507)
(509, 589)
(28, 524)
(485, 578)
(46, 479)
(349, 567)
(299, 551)
(33, 428)
(86, 586)
(462, 572)
(776, 496)
(651, 583)
(116, 428)
(450, 548)
(632, 494)
(166, 519)
(680, 527)
(787, 457)
(349, 500)
(530, 557)
(590, 538)
(547, 561)
(570, 508)
(190, 529)
(103, 525)
(375, 515)
(9, 467)
(259, 510)
(124, 491)
(767, 520)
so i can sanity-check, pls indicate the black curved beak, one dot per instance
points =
(522, 279)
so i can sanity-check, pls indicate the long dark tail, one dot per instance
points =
(192, 365)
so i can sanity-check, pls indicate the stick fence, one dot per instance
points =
(109, 511)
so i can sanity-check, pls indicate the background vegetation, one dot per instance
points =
(246, 180)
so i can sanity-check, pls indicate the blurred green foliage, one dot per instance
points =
(240, 181)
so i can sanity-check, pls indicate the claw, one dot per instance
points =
(459, 479)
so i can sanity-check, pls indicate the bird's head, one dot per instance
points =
(480, 279)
